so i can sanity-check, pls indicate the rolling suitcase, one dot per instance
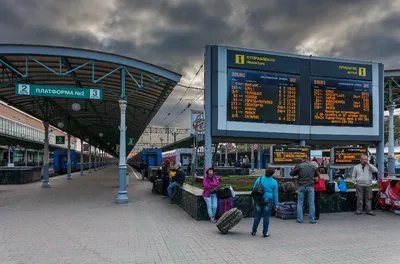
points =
(158, 186)
(224, 205)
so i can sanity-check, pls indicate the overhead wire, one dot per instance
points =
(187, 88)
(198, 95)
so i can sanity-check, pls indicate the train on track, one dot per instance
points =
(60, 161)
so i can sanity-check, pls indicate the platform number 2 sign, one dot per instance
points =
(24, 89)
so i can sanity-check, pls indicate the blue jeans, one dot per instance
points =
(171, 188)
(211, 205)
(263, 210)
(301, 192)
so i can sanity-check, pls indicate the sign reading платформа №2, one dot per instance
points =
(58, 91)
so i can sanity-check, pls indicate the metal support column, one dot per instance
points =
(122, 197)
(38, 158)
(95, 158)
(380, 153)
(90, 158)
(99, 163)
(9, 156)
(26, 158)
(391, 161)
(207, 109)
(236, 153)
(45, 182)
(226, 155)
(331, 172)
(259, 158)
(220, 155)
(102, 159)
(69, 177)
(252, 157)
(81, 167)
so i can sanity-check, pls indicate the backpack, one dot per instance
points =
(224, 192)
(258, 191)
(288, 187)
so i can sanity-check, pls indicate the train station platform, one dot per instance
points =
(77, 221)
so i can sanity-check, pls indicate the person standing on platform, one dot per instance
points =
(210, 183)
(267, 202)
(362, 177)
(317, 193)
(165, 168)
(307, 175)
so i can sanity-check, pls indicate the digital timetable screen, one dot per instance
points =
(289, 155)
(340, 102)
(347, 155)
(262, 97)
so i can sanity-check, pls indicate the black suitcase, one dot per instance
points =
(158, 186)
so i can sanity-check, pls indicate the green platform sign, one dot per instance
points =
(60, 140)
(58, 91)
(131, 142)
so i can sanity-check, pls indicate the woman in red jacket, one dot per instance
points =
(211, 183)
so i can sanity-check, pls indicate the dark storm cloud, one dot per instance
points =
(173, 33)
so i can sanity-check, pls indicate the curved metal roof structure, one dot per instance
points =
(392, 76)
(144, 86)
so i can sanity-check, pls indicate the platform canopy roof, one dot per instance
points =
(392, 76)
(144, 86)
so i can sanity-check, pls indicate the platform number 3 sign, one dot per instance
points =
(24, 89)
(94, 94)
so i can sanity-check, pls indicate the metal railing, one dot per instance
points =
(20, 130)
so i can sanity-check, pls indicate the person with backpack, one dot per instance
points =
(211, 183)
(265, 196)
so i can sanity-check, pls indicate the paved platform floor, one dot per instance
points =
(78, 222)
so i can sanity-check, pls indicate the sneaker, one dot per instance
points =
(212, 220)
(265, 235)
(370, 213)
(358, 213)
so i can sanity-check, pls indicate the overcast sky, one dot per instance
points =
(173, 33)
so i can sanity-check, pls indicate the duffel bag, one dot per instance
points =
(287, 207)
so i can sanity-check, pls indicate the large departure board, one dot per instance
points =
(348, 156)
(262, 97)
(339, 102)
(289, 155)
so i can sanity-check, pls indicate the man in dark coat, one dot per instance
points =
(176, 181)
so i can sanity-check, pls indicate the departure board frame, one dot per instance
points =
(348, 151)
(288, 149)
(220, 59)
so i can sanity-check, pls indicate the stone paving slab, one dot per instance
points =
(78, 221)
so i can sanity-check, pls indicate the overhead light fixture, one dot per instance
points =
(101, 134)
(76, 107)
(108, 143)
(86, 139)
(60, 125)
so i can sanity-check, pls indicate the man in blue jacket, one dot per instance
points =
(177, 181)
